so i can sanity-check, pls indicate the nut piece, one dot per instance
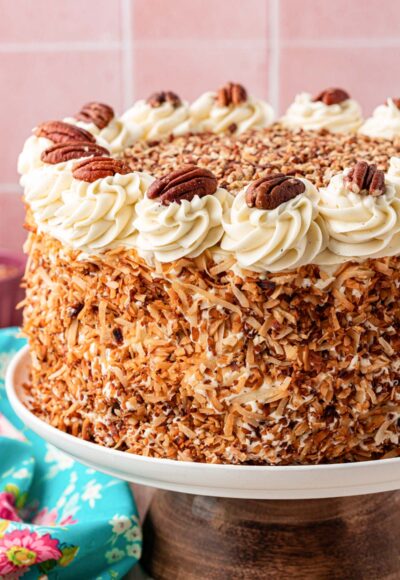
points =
(271, 191)
(61, 152)
(60, 132)
(332, 96)
(396, 102)
(366, 179)
(98, 113)
(157, 99)
(231, 94)
(183, 183)
(95, 168)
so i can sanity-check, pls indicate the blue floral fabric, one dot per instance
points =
(58, 518)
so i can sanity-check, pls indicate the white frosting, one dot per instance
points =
(157, 123)
(274, 240)
(116, 136)
(29, 158)
(207, 115)
(393, 174)
(181, 229)
(304, 113)
(385, 122)
(358, 226)
(100, 215)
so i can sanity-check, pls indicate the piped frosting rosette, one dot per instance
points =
(99, 208)
(181, 215)
(230, 110)
(333, 110)
(385, 121)
(44, 136)
(272, 225)
(161, 115)
(110, 131)
(393, 173)
(361, 214)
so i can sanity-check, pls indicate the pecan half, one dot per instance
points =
(60, 132)
(183, 183)
(366, 179)
(332, 96)
(271, 191)
(157, 99)
(231, 94)
(61, 152)
(95, 168)
(396, 102)
(98, 113)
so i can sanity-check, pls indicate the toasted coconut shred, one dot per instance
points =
(194, 362)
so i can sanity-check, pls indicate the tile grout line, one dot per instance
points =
(127, 60)
(58, 47)
(274, 57)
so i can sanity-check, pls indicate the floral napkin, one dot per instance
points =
(58, 518)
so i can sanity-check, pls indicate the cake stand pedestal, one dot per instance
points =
(191, 537)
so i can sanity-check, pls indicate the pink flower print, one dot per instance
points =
(49, 518)
(7, 507)
(22, 549)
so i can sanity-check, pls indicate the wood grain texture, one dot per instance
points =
(190, 537)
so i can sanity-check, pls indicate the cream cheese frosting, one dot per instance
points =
(159, 122)
(207, 115)
(358, 226)
(308, 114)
(385, 122)
(182, 229)
(393, 174)
(100, 215)
(116, 136)
(29, 158)
(273, 240)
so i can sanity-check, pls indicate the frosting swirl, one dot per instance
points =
(273, 240)
(116, 136)
(157, 123)
(393, 174)
(181, 229)
(29, 158)
(358, 226)
(207, 115)
(385, 122)
(305, 113)
(100, 215)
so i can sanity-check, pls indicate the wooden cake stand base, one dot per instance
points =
(190, 537)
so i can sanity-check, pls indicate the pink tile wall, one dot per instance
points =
(56, 55)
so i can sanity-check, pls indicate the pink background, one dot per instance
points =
(55, 55)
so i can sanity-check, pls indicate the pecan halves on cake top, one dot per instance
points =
(183, 183)
(61, 152)
(271, 191)
(157, 99)
(366, 179)
(98, 113)
(94, 168)
(61, 132)
(332, 96)
(231, 94)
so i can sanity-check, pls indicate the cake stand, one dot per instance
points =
(229, 521)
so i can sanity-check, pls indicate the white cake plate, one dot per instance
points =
(235, 481)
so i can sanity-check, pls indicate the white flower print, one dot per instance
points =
(114, 555)
(22, 473)
(134, 534)
(120, 524)
(60, 460)
(92, 492)
(134, 551)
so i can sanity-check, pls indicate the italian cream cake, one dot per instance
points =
(216, 286)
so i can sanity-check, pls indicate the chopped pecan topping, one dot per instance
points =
(95, 168)
(118, 336)
(184, 183)
(61, 152)
(157, 99)
(332, 96)
(271, 191)
(396, 102)
(366, 179)
(231, 94)
(97, 113)
(60, 132)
